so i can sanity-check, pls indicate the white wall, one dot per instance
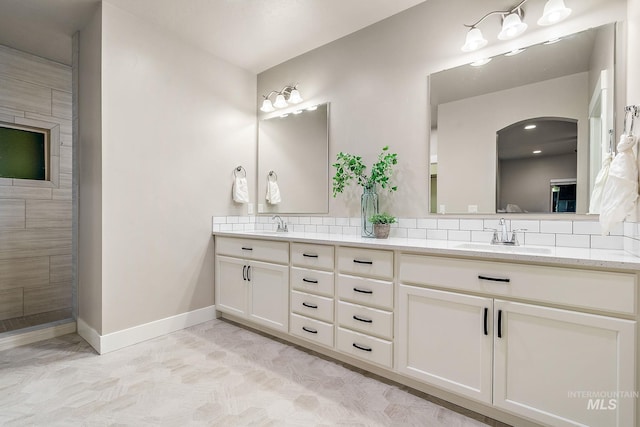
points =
(467, 134)
(90, 174)
(175, 122)
(376, 81)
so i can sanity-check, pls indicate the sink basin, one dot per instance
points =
(266, 232)
(501, 248)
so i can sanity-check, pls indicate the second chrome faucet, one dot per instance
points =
(502, 236)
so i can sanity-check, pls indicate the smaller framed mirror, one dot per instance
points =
(293, 162)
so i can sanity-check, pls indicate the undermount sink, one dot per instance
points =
(504, 248)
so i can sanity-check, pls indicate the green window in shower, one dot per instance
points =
(24, 152)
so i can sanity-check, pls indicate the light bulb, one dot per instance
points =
(474, 40)
(554, 12)
(267, 107)
(480, 62)
(280, 101)
(512, 26)
(295, 97)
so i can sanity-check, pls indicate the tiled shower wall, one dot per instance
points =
(35, 216)
(567, 233)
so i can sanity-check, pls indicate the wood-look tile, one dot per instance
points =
(66, 165)
(60, 268)
(54, 140)
(15, 323)
(24, 272)
(6, 181)
(65, 181)
(11, 112)
(10, 303)
(61, 106)
(47, 298)
(48, 214)
(32, 183)
(25, 96)
(58, 194)
(12, 214)
(6, 118)
(54, 171)
(15, 192)
(48, 118)
(46, 122)
(34, 69)
(34, 242)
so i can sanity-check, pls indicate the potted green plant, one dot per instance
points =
(381, 224)
(351, 168)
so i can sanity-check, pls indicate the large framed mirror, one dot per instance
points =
(525, 132)
(293, 162)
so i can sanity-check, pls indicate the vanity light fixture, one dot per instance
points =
(552, 41)
(537, 151)
(512, 25)
(312, 108)
(297, 112)
(288, 95)
(529, 127)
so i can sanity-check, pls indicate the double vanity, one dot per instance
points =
(525, 335)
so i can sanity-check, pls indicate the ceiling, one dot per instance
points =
(252, 34)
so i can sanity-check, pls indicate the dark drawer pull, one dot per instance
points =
(246, 249)
(310, 330)
(244, 272)
(361, 347)
(248, 273)
(310, 281)
(486, 321)
(362, 319)
(357, 261)
(310, 255)
(363, 291)
(499, 323)
(306, 304)
(494, 279)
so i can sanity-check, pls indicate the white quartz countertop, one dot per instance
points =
(580, 257)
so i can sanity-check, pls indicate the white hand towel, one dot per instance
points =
(621, 188)
(598, 187)
(273, 192)
(240, 190)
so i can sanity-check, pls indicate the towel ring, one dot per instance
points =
(273, 175)
(239, 169)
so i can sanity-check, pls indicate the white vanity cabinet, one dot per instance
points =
(365, 304)
(312, 293)
(252, 280)
(460, 329)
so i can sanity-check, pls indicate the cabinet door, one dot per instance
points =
(231, 286)
(445, 339)
(269, 295)
(563, 368)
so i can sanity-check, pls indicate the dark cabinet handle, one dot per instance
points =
(306, 304)
(246, 249)
(248, 273)
(486, 321)
(494, 279)
(499, 323)
(361, 347)
(363, 291)
(310, 255)
(310, 280)
(244, 272)
(357, 261)
(362, 319)
(310, 330)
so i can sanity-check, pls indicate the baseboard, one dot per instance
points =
(34, 335)
(120, 339)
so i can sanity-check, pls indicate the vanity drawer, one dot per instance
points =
(371, 292)
(313, 281)
(312, 256)
(365, 347)
(253, 249)
(364, 319)
(312, 305)
(366, 262)
(588, 289)
(312, 330)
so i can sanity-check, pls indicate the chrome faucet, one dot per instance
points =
(503, 236)
(282, 226)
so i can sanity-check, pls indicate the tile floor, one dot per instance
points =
(16, 323)
(213, 374)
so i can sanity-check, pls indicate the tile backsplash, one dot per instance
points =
(567, 233)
